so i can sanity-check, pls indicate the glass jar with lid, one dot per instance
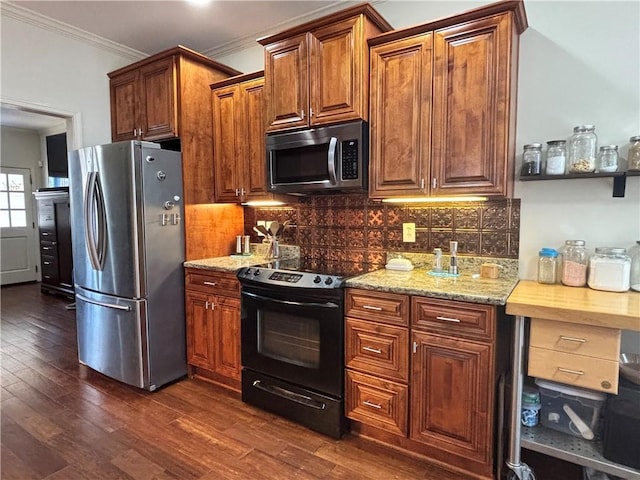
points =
(610, 269)
(633, 156)
(634, 253)
(608, 158)
(531, 159)
(581, 149)
(548, 266)
(556, 157)
(575, 260)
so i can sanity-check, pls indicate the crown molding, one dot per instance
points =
(251, 40)
(25, 15)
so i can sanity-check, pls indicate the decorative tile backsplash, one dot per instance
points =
(354, 228)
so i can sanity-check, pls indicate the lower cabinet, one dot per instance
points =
(431, 386)
(213, 327)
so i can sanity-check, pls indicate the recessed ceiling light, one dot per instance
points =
(199, 3)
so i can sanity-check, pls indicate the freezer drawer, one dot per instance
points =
(112, 336)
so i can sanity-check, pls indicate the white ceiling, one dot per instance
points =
(146, 27)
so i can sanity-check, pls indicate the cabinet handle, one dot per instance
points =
(448, 319)
(242, 192)
(422, 184)
(371, 404)
(568, 370)
(47, 263)
(45, 234)
(434, 183)
(206, 305)
(135, 132)
(415, 347)
(302, 114)
(211, 284)
(311, 112)
(237, 192)
(572, 339)
(371, 307)
(372, 350)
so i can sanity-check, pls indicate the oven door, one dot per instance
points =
(295, 337)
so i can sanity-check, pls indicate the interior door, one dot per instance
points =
(17, 229)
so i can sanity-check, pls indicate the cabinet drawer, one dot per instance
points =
(377, 306)
(48, 248)
(449, 317)
(47, 235)
(376, 402)
(572, 369)
(378, 349)
(216, 283)
(574, 338)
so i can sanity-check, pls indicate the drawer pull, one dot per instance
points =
(371, 307)
(572, 339)
(568, 370)
(211, 284)
(448, 319)
(372, 350)
(371, 404)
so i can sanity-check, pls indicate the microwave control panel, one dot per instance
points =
(350, 160)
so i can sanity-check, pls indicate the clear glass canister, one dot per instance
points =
(548, 265)
(633, 156)
(575, 260)
(531, 159)
(556, 157)
(608, 158)
(634, 253)
(581, 149)
(610, 269)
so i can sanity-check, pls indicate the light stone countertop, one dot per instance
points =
(233, 263)
(465, 288)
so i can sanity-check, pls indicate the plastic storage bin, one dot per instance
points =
(571, 410)
(622, 426)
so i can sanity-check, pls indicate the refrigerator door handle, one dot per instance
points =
(94, 222)
(103, 304)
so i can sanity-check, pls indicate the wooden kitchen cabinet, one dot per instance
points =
(239, 139)
(167, 98)
(318, 72)
(431, 386)
(443, 98)
(213, 327)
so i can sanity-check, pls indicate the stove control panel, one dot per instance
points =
(270, 276)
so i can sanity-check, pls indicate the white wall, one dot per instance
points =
(21, 148)
(46, 68)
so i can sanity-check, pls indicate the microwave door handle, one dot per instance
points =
(333, 145)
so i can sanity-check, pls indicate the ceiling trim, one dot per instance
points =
(46, 23)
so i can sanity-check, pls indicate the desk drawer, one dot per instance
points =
(585, 340)
(572, 369)
(378, 349)
(377, 402)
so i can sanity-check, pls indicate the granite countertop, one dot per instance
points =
(465, 288)
(226, 264)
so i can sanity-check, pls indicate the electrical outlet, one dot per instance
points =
(408, 232)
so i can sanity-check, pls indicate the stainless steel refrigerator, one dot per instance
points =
(128, 254)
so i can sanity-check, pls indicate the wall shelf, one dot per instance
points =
(619, 179)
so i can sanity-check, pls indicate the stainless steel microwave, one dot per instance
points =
(320, 159)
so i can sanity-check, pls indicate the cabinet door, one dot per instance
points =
(253, 147)
(228, 127)
(124, 107)
(335, 73)
(400, 117)
(158, 113)
(471, 108)
(286, 82)
(226, 337)
(451, 396)
(199, 329)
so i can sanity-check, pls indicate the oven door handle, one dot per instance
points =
(293, 304)
(289, 395)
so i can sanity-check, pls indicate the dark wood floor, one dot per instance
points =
(62, 421)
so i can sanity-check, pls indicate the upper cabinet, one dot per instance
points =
(318, 73)
(443, 99)
(238, 139)
(164, 97)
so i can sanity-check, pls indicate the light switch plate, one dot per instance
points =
(408, 232)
